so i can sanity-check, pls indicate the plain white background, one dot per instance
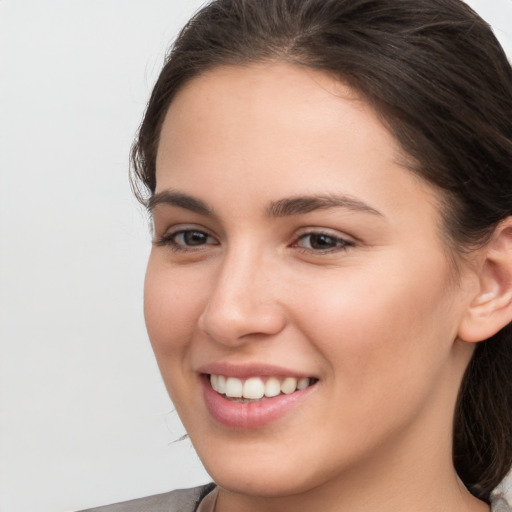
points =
(85, 419)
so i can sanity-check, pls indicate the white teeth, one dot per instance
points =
(272, 387)
(253, 388)
(213, 381)
(256, 388)
(289, 385)
(221, 384)
(234, 387)
(303, 383)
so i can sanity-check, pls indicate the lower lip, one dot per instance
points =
(250, 415)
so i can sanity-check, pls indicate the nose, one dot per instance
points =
(243, 303)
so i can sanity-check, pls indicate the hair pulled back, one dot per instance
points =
(442, 84)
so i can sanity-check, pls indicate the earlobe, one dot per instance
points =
(491, 307)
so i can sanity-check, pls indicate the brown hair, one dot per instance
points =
(442, 84)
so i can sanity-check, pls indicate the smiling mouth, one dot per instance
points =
(257, 388)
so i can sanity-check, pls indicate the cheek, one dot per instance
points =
(384, 326)
(172, 304)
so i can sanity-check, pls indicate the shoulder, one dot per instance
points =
(499, 503)
(181, 500)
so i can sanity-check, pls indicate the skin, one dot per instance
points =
(374, 315)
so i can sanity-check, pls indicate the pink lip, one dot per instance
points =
(252, 370)
(250, 415)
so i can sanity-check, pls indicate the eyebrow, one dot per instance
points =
(171, 198)
(298, 205)
(305, 204)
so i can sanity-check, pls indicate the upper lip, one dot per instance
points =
(244, 371)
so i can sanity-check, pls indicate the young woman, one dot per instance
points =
(329, 293)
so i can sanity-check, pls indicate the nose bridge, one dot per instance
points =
(243, 298)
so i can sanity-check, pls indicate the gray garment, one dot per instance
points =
(499, 503)
(181, 500)
(187, 500)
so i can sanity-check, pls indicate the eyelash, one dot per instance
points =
(169, 240)
(340, 244)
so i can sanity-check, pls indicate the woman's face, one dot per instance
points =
(292, 246)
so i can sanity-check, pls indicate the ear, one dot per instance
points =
(490, 308)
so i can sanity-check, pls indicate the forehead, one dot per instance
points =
(262, 108)
(277, 130)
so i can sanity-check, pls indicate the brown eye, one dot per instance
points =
(322, 242)
(191, 238)
(186, 240)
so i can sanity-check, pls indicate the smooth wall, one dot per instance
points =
(84, 416)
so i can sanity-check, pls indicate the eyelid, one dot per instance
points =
(168, 237)
(344, 241)
(317, 230)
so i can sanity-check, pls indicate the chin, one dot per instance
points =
(266, 470)
(268, 484)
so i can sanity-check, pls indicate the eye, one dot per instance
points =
(191, 238)
(186, 239)
(322, 242)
